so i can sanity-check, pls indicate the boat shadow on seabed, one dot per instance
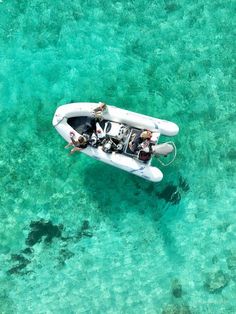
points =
(114, 187)
(123, 195)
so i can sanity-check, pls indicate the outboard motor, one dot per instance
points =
(162, 149)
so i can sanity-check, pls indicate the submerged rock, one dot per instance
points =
(21, 263)
(223, 227)
(231, 262)
(171, 6)
(19, 258)
(85, 225)
(84, 230)
(42, 228)
(232, 154)
(176, 309)
(216, 282)
(64, 255)
(27, 251)
(16, 269)
(176, 288)
(214, 259)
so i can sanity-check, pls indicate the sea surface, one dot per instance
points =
(79, 236)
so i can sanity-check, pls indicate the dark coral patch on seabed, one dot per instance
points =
(21, 263)
(42, 228)
(181, 308)
(176, 288)
(39, 229)
(45, 230)
(216, 282)
(64, 255)
(84, 230)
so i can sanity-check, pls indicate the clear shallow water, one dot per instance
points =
(78, 236)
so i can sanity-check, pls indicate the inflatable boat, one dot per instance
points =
(117, 127)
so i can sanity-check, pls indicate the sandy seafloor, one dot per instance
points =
(79, 236)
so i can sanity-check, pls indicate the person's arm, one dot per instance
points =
(73, 141)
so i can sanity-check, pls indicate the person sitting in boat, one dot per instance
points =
(145, 151)
(98, 112)
(91, 127)
(81, 143)
(97, 131)
(139, 139)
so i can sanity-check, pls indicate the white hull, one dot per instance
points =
(115, 114)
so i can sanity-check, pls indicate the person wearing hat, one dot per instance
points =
(146, 134)
(140, 139)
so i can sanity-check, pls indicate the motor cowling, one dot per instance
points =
(162, 149)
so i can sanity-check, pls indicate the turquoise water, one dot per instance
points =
(79, 236)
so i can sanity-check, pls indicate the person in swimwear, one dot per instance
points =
(80, 144)
(97, 112)
(138, 139)
(89, 130)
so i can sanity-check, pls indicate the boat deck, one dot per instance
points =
(78, 123)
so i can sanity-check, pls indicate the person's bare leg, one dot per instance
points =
(75, 149)
(100, 108)
(69, 144)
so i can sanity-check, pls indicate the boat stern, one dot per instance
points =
(167, 128)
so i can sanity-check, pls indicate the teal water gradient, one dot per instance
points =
(79, 236)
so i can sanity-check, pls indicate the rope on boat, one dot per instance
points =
(170, 162)
(59, 121)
